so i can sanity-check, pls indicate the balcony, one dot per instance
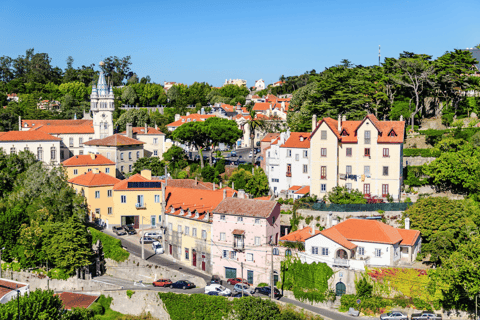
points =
(140, 206)
(340, 262)
(238, 246)
(238, 240)
(289, 174)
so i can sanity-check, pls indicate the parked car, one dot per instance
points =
(245, 287)
(218, 288)
(234, 281)
(182, 284)
(239, 295)
(153, 234)
(267, 291)
(130, 229)
(146, 240)
(426, 315)
(162, 283)
(212, 293)
(394, 315)
(119, 231)
(157, 247)
(250, 154)
(233, 154)
(216, 279)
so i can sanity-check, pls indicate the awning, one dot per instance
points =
(238, 232)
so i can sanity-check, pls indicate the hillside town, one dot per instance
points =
(346, 193)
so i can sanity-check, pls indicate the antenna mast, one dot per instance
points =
(379, 55)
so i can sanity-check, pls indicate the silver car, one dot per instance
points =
(246, 288)
(394, 315)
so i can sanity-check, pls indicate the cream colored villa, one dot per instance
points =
(364, 155)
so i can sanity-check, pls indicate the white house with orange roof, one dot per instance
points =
(265, 145)
(357, 243)
(259, 84)
(179, 120)
(154, 140)
(364, 155)
(44, 146)
(78, 165)
(288, 161)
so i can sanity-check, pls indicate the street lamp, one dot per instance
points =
(1, 250)
(143, 241)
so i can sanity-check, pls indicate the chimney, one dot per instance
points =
(19, 123)
(156, 127)
(166, 177)
(329, 219)
(407, 223)
(233, 185)
(224, 193)
(196, 181)
(241, 194)
(177, 117)
(214, 186)
(314, 122)
(339, 123)
(344, 118)
(146, 128)
(188, 113)
(401, 117)
(93, 156)
(146, 173)
(129, 130)
(220, 185)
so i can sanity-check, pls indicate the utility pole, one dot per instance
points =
(163, 217)
(272, 287)
(1, 250)
(143, 242)
(241, 264)
(476, 305)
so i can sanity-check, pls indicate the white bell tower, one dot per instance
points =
(102, 107)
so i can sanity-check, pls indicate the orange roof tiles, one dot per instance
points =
(261, 106)
(114, 140)
(270, 136)
(76, 300)
(387, 126)
(123, 184)
(271, 97)
(238, 232)
(303, 190)
(266, 198)
(192, 117)
(297, 140)
(299, 235)
(8, 286)
(86, 160)
(409, 237)
(228, 108)
(26, 136)
(91, 179)
(141, 130)
(334, 235)
(294, 188)
(246, 207)
(60, 126)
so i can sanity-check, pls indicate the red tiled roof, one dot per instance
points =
(303, 190)
(7, 286)
(255, 96)
(60, 126)
(295, 140)
(238, 232)
(76, 300)
(228, 108)
(246, 207)
(271, 97)
(26, 136)
(192, 184)
(409, 237)
(261, 106)
(141, 130)
(294, 188)
(86, 160)
(114, 140)
(123, 184)
(192, 117)
(91, 179)
(270, 136)
(266, 198)
(334, 235)
(299, 235)
(387, 126)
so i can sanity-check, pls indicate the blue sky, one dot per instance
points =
(187, 41)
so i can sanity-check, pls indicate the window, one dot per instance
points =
(289, 169)
(129, 156)
(272, 168)
(12, 150)
(138, 154)
(386, 152)
(225, 254)
(108, 155)
(170, 227)
(257, 221)
(361, 251)
(97, 211)
(269, 154)
(276, 252)
(257, 241)
(323, 172)
(194, 232)
(107, 170)
(305, 153)
(349, 170)
(366, 188)
(314, 250)
(89, 170)
(288, 252)
(366, 170)
(348, 186)
(110, 210)
(297, 157)
(385, 171)
(75, 171)
(157, 198)
(109, 193)
(385, 190)
(323, 152)
(204, 234)
(155, 140)
(70, 142)
(222, 217)
(305, 168)
(240, 219)
(324, 251)
(179, 228)
(187, 231)
(123, 199)
(39, 153)
(367, 136)
(80, 152)
(80, 141)
(289, 153)
(367, 152)
(155, 152)
(323, 187)
(121, 157)
(222, 236)
(392, 133)
(186, 254)
(26, 149)
(275, 180)
(97, 194)
(105, 125)
(233, 255)
(349, 152)
(249, 256)
(130, 168)
(378, 253)
(323, 134)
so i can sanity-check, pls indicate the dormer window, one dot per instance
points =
(301, 138)
(188, 120)
(344, 133)
(182, 212)
(183, 120)
(172, 209)
(196, 214)
(392, 133)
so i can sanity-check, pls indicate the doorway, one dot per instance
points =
(194, 257)
(203, 262)
(340, 289)
(250, 276)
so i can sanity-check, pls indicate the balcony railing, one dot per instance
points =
(289, 174)
(238, 245)
(340, 262)
(140, 206)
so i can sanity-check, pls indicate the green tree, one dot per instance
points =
(117, 69)
(153, 163)
(209, 174)
(342, 195)
(76, 89)
(137, 117)
(258, 184)
(255, 124)
(220, 130)
(37, 305)
(256, 308)
(193, 134)
(129, 96)
(176, 158)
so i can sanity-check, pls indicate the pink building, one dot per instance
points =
(245, 232)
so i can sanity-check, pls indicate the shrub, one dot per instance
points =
(112, 247)
(421, 153)
(262, 284)
(130, 293)
(199, 306)
(364, 289)
(256, 308)
(208, 174)
(97, 308)
(58, 273)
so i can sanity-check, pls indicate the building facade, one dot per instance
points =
(153, 139)
(78, 165)
(45, 147)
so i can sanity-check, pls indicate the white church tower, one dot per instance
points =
(102, 107)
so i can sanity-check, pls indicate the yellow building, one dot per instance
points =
(189, 224)
(138, 201)
(97, 187)
(78, 165)
(364, 155)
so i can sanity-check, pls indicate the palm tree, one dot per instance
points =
(254, 124)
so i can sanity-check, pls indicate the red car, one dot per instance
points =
(162, 283)
(234, 281)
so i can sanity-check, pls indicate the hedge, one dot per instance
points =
(421, 153)
(413, 176)
(112, 247)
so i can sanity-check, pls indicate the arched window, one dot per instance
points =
(288, 252)
(105, 125)
(40, 154)
(276, 252)
(53, 153)
(12, 150)
(26, 149)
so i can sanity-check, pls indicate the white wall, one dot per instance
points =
(33, 147)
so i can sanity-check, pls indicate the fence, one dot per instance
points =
(357, 207)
